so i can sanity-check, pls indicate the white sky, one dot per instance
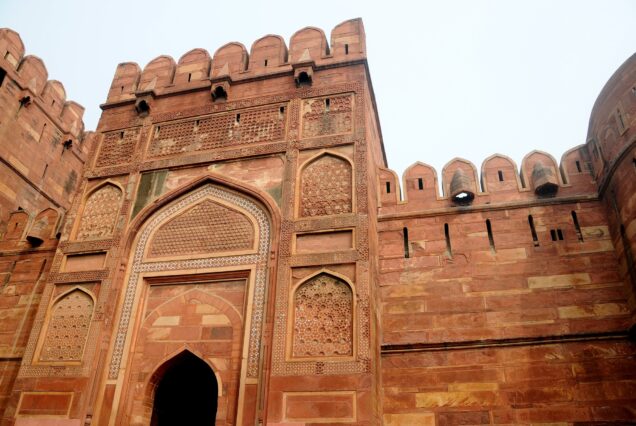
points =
(451, 78)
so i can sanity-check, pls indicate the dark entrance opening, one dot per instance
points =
(186, 393)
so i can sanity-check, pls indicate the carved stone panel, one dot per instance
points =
(326, 187)
(323, 318)
(117, 148)
(327, 116)
(219, 130)
(206, 228)
(67, 329)
(100, 213)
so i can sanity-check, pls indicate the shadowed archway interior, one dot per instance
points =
(186, 393)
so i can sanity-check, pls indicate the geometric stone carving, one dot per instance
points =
(323, 318)
(117, 148)
(100, 213)
(327, 116)
(68, 328)
(206, 228)
(326, 187)
(219, 130)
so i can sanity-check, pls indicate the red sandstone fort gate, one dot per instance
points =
(229, 246)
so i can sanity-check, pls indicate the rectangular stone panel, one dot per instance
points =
(330, 115)
(45, 404)
(239, 127)
(324, 242)
(84, 262)
(320, 407)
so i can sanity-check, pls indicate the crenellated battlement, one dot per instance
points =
(497, 181)
(267, 56)
(33, 86)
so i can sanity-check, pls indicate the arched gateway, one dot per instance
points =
(185, 392)
(196, 284)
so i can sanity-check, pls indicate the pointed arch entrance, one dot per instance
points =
(185, 392)
(197, 278)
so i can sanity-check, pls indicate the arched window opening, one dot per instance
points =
(186, 393)
(219, 94)
(142, 108)
(304, 79)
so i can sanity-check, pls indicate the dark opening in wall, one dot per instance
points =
(3, 74)
(405, 233)
(491, 240)
(420, 183)
(346, 49)
(42, 132)
(388, 187)
(533, 231)
(121, 134)
(238, 118)
(122, 89)
(500, 174)
(189, 77)
(556, 234)
(281, 112)
(575, 219)
(634, 163)
(303, 79)
(265, 62)
(196, 125)
(24, 101)
(449, 248)
(219, 93)
(327, 104)
(46, 166)
(53, 103)
(142, 108)
(578, 166)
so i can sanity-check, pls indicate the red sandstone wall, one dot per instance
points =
(39, 175)
(447, 302)
(562, 383)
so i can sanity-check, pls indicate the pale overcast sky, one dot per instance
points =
(451, 78)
